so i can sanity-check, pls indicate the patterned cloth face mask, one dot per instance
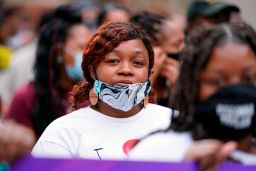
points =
(122, 97)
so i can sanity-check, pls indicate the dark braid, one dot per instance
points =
(50, 96)
(195, 57)
(150, 22)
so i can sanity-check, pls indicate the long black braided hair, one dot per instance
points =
(195, 57)
(50, 100)
(151, 23)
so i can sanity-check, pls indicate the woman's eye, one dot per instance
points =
(112, 61)
(138, 62)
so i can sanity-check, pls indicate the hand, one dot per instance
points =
(159, 59)
(170, 71)
(210, 153)
(15, 140)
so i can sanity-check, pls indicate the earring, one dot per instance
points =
(92, 97)
(145, 101)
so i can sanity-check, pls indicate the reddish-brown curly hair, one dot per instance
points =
(104, 40)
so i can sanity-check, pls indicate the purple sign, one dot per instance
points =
(32, 164)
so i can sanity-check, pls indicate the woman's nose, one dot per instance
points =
(125, 69)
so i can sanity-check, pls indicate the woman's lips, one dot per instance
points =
(123, 83)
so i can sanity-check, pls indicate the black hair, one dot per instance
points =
(46, 16)
(195, 57)
(50, 102)
(150, 22)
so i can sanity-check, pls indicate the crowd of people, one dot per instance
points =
(131, 86)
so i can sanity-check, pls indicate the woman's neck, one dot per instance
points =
(110, 111)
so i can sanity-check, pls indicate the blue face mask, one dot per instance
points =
(122, 97)
(75, 72)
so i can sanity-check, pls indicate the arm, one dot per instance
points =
(210, 153)
(159, 58)
(15, 140)
(177, 147)
(170, 71)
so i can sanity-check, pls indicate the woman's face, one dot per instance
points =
(77, 38)
(171, 36)
(231, 63)
(128, 63)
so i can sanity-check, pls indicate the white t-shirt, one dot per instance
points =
(87, 133)
(163, 146)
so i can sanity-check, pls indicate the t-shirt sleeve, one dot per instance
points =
(50, 150)
(59, 140)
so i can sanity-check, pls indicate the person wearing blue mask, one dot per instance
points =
(167, 37)
(73, 70)
(216, 99)
(57, 68)
(117, 64)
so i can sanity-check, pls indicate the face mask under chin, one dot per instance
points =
(122, 97)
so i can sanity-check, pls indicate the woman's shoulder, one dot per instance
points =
(26, 90)
(24, 98)
(159, 112)
(157, 108)
(162, 146)
(72, 119)
(79, 115)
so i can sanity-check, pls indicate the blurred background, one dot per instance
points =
(20, 22)
(34, 8)
(30, 11)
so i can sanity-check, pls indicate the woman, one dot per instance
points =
(37, 103)
(57, 68)
(167, 38)
(215, 96)
(116, 65)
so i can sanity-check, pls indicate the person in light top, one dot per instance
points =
(116, 65)
(216, 99)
